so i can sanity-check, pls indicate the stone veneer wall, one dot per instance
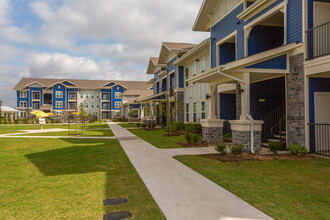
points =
(212, 135)
(296, 101)
(238, 101)
(244, 138)
(180, 106)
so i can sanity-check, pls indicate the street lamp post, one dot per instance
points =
(0, 109)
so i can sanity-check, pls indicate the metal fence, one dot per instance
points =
(318, 41)
(320, 138)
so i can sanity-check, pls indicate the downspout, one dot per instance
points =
(247, 106)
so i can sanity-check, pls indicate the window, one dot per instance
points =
(72, 96)
(187, 73)
(72, 106)
(23, 104)
(58, 114)
(36, 95)
(36, 105)
(194, 69)
(117, 95)
(81, 95)
(202, 65)
(59, 94)
(97, 105)
(59, 104)
(194, 112)
(22, 114)
(105, 96)
(86, 105)
(23, 94)
(117, 104)
(92, 105)
(187, 112)
(203, 109)
(87, 95)
(106, 106)
(97, 96)
(92, 96)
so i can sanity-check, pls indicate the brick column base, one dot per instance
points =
(212, 130)
(241, 134)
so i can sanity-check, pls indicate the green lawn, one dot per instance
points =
(91, 133)
(17, 128)
(157, 139)
(284, 189)
(69, 179)
(128, 125)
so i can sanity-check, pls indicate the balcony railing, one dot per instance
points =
(320, 138)
(318, 41)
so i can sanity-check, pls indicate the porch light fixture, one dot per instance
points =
(207, 96)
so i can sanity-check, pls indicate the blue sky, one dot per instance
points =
(103, 39)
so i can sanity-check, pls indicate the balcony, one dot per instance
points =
(318, 41)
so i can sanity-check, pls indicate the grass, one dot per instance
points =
(128, 125)
(157, 139)
(90, 133)
(283, 189)
(17, 128)
(69, 179)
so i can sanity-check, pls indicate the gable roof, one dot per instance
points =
(82, 84)
(153, 61)
(203, 20)
(140, 94)
(168, 47)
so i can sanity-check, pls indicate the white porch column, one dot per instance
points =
(245, 94)
(212, 94)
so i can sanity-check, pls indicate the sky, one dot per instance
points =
(88, 39)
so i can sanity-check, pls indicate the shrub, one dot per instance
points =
(227, 137)
(153, 125)
(274, 146)
(162, 126)
(143, 125)
(177, 126)
(57, 120)
(188, 138)
(138, 124)
(236, 149)
(195, 138)
(221, 148)
(16, 121)
(297, 149)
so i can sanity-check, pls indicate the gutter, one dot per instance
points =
(247, 114)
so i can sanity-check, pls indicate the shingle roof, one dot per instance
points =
(154, 60)
(141, 94)
(84, 84)
(179, 46)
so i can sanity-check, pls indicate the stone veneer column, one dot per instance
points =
(241, 134)
(180, 106)
(296, 101)
(212, 130)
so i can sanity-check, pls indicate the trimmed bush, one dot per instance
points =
(188, 138)
(143, 125)
(274, 146)
(138, 124)
(221, 148)
(227, 137)
(195, 138)
(297, 149)
(236, 149)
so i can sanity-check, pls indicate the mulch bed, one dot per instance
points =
(188, 145)
(256, 157)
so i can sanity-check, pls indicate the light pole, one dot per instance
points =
(0, 109)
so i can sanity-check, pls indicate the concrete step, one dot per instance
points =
(264, 145)
(279, 136)
(276, 140)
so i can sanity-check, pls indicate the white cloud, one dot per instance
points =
(4, 9)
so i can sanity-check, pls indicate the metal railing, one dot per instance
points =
(274, 123)
(318, 41)
(319, 138)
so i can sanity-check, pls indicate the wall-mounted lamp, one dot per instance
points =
(208, 96)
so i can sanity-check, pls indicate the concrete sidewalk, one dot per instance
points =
(180, 192)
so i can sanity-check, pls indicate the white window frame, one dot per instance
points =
(222, 41)
(117, 95)
(22, 114)
(203, 70)
(59, 94)
(36, 93)
(116, 104)
(20, 104)
(194, 66)
(58, 114)
(36, 103)
(57, 104)
(23, 92)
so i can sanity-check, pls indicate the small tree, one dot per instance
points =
(131, 114)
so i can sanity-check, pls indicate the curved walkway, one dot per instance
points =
(180, 192)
